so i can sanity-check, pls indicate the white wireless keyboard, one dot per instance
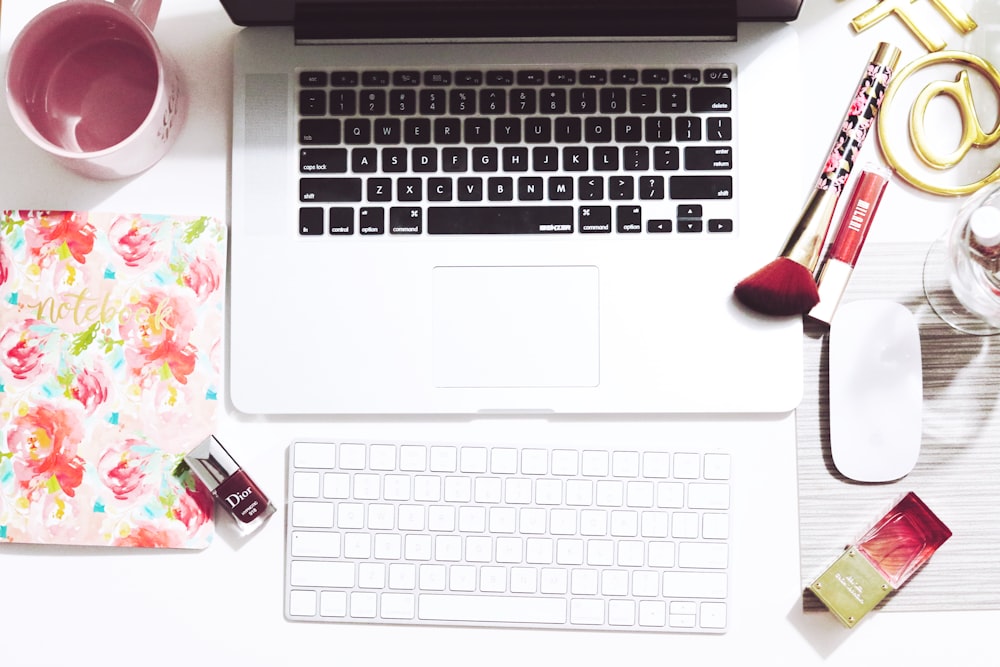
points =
(508, 536)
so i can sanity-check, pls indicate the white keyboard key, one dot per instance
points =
(631, 553)
(715, 526)
(381, 516)
(687, 465)
(670, 495)
(565, 462)
(534, 462)
(492, 579)
(352, 456)
(315, 544)
(594, 523)
(312, 515)
(694, 584)
(523, 580)
(491, 608)
(656, 465)
(333, 603)
(624, 523)
(302, 603)
(413, 458)
(509, 550)
(539, 550)
(371, 575)
(621, 612)
(402, 576)
(652, 613)
(517, 491)
(444, 459)
(625, 464)
(610, 493)
(717, 467)
(586, 612)
(473, 459)
(457, 489)
(322, 574)
(705, 555)
(554, 581)
(396, 487)
(562, 521)
(441, 518)
(682, 614)
(426, 488)
(685, 525)
(503, 520)
(357, 545)
(336, 485)
(315, 455)
(398, 605)
(569, 552)
(388, 546)
(614, 582)
(583, 582)
(661, 554)
(645, 583)
(382, 457)
(532, 520)
(594, 464)
(655, 524)
(350, 515)
(471, 519)
(363, 605)
(306, 485)
(479, 549)
(433, 577)
(462, 578)
(488, 490)
(600, 552)
(713, 615)
(417, 547)
(708, 496)
(503, 461)
(367, 486)
(579, 492)
(639, 494)
(411, 517)
(448, 548)
(548, 491)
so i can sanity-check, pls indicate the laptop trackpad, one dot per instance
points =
(515, 326)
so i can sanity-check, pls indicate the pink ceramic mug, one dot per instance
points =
(87, 83)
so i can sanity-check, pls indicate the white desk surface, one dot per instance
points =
(224, 605)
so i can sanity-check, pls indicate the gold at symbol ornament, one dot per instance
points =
(972, 134)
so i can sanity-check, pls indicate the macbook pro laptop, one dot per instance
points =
(503, 206)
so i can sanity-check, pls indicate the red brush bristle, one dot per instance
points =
(783, 287)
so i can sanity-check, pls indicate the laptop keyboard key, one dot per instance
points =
(330, 189)
(500, 220)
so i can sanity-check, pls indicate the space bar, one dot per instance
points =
(500, 220)
(491, 609)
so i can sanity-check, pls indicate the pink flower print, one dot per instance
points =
(5, 263)
(43, 445)
(124, 468)
(157, 330)
(859, 105)
(193, 508)
(22, 351)
(203, 276)
(150, 535)
(47, 232)
(134, 238)
(90, 387)
(58, 515)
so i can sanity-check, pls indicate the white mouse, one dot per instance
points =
(876, 390)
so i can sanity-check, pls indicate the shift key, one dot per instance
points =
(701, 187)
(330, 189)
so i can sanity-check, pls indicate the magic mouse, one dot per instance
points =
(876, 390)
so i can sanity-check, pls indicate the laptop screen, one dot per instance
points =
(283, 12)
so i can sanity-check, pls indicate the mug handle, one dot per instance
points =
(145, 10)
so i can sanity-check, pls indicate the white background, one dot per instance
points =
(63, 606)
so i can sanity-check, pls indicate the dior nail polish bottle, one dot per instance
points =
(881, 561)
(230, 485)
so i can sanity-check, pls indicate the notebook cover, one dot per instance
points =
(110, 370)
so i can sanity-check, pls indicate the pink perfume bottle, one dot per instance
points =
(231, 487)
(881, 561)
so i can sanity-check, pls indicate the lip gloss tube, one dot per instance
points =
(230, 485)
(881, 561)
(843, 254)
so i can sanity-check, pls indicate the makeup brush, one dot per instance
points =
(786, 285)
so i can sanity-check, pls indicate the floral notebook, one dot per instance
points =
(110, 369)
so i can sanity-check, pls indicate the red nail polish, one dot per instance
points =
(230, 485)
(881, 561)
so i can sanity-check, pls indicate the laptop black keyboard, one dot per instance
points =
(527, 151)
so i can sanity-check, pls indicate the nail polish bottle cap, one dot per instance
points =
(211, 463)
(984, 223)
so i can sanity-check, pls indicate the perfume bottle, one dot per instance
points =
(230, 485)
(881, 561)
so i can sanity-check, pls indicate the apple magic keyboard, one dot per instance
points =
(449, 534)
